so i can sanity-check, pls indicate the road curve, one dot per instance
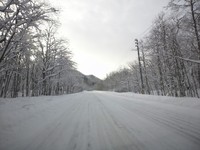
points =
(103, 121)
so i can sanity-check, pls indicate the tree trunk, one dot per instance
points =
(196, 34)
(27, 80)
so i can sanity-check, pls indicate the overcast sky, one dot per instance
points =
(102, 32)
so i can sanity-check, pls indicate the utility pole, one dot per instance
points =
(140, 66)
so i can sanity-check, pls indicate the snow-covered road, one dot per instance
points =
(99, 121)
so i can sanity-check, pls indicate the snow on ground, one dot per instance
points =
(100, 121)
(181, 101)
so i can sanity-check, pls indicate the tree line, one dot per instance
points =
(169, 55)
(33, 60)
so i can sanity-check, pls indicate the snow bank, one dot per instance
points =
(179, 101)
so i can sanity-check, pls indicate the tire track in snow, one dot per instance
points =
(102, 121)
(120, 129)
(152, 113)
(37, 140)
(184, 128)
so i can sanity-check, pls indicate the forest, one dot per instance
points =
(169, 61)
(35, 61)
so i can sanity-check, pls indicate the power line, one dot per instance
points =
(150, 26)
(145, 31)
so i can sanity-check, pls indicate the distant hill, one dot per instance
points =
(84, 82)
(91, 82)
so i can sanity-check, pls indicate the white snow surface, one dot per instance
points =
(100, 121)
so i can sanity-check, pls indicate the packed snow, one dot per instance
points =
(100, 121)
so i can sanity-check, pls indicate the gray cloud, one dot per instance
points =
(104, 30)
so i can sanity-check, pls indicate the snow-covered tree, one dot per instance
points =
(170, 53)
(33, 60)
